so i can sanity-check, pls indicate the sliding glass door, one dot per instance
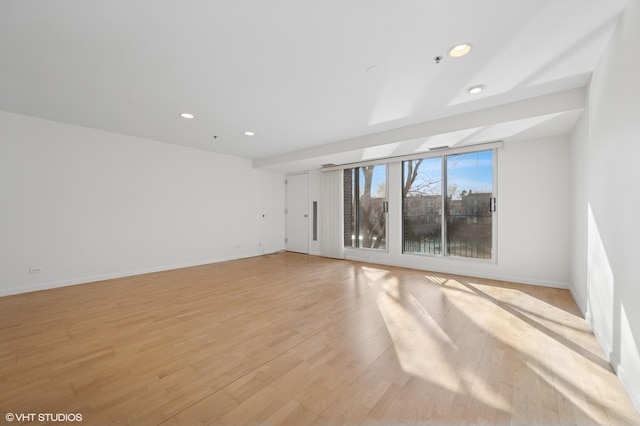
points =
(422, 206)
(448, 205)
(469, 204)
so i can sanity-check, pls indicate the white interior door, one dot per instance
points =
(297, 213)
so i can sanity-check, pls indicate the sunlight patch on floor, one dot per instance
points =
(423, 348)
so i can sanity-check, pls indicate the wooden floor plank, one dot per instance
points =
(296, 339)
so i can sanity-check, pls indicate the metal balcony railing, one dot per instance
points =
(473, 249)
(467, 235)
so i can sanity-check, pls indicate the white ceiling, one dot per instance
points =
(295, 71)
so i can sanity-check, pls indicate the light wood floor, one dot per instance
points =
(295, 339)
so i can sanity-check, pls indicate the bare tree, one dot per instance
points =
(417, 183)
(366, 227)
(372, 218)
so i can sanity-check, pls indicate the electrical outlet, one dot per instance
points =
(35, 270)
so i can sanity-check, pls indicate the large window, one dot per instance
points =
(447, 205)
(365, 207)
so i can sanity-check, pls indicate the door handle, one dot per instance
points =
(306, 215)
(492, 204)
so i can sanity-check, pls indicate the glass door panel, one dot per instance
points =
(422, 206)
(469, 204)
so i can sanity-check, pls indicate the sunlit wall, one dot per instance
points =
(606, 202)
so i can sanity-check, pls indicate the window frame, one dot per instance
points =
(444, 252)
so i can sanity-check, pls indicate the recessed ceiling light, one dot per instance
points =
(249, 133)
(459, 50)
(373, 69)
(476, 89)
(186, 115)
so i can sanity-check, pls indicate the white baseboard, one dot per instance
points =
(632, 387)
(470, 273)
(583, 309)
(88, 279)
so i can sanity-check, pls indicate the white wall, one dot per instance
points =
(83, 205)
(533, 219)
(579, 139)
(606, 243)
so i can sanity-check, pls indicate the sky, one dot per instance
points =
(379, 176)
(471, 172)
